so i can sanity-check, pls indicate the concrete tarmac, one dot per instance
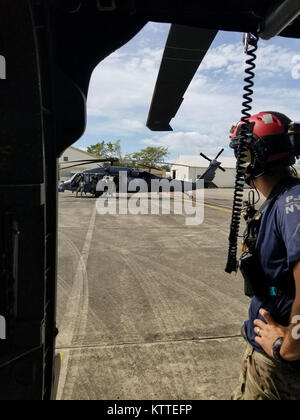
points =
(145, 309)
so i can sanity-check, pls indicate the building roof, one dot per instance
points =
(84, 152)
(198, 161)
(75, 154)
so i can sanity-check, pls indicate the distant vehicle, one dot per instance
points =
(91, 177)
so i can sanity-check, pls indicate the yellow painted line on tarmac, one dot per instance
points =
(210, 206)
(217, 208)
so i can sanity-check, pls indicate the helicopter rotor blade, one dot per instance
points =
(86, 162)
(219, 154)
(185, 50)
(205, 157)
(73, 166)
(128, 162)
(91, 161)
(161, 163)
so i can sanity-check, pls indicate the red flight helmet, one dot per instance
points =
(270, 140)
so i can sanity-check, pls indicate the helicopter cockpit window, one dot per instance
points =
(73, 177)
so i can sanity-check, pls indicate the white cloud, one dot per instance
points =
(158, 28)
(187, 142)
(122, 86)
(271, 60)
(109, 127)
(133, 125)
(124, 82)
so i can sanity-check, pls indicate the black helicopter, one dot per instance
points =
(89, 179)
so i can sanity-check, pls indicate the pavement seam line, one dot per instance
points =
(206, 204)
(150, 343)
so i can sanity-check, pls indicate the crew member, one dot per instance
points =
(271, 259)
(81, 186)
(94, 182)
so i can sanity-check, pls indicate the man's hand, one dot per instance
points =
(268, 331)
(291, 346)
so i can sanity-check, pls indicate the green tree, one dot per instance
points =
(113, 149)
(151, 156)
(106, 150)
(96, 149)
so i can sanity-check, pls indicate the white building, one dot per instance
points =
(72, 154)
(194, 166)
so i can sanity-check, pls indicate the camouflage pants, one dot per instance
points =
(80, 190)
(264, 379)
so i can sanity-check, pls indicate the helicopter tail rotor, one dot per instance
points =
(214, 160)
(219, 154)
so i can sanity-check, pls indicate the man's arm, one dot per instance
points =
(269, 331)
(291, 346)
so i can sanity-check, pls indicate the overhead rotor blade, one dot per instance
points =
(74, 166)
(91, 161)
(129, 162)
(145, 164)
(87, 162)
(185, 50)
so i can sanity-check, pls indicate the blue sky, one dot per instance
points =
(122, 86)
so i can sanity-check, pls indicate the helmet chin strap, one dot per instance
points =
(251, 176)
(249, 179)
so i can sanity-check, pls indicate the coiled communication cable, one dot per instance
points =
(250, 40)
